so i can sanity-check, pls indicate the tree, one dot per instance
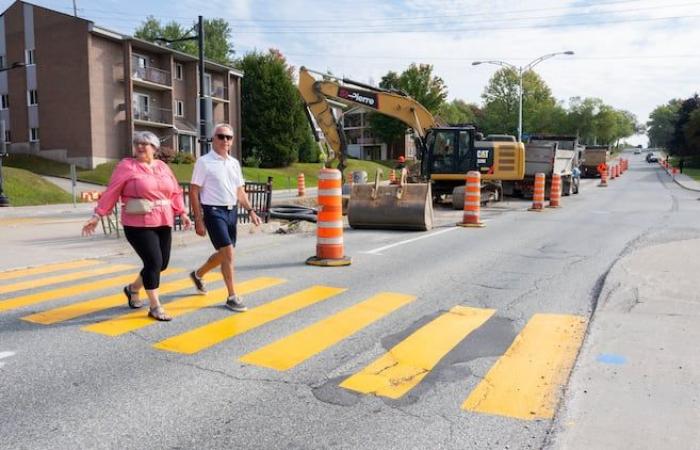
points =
(502, 103)
(457, 111)
(581, 118)
(218, 45)
(662, 122)
(274, 123)
(692, 133)
(679, 143)
(418, 82)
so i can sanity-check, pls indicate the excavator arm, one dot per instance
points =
(319, 93)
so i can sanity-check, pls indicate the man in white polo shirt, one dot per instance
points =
(216, 188)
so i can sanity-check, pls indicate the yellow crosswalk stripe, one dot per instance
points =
(63, 278)
(74, 310)
(139, 319)
(17, 273)
(214, 333)
(406, 364)
(525, 382)
(68, 291)
(292, 350)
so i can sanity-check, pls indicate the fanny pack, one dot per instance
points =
(143, 206)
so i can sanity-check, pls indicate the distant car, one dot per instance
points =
(651, 158)
(637, 152)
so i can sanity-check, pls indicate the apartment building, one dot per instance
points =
(363, 144)
(80, 91)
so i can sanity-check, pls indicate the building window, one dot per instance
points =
(33, 135)
(207, 85)
(179, 108)
(185, 143)
(178, 71)
(5, 101)
(32, 97)
(29, 57)
(8, 136)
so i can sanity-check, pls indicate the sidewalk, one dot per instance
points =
(636, 384)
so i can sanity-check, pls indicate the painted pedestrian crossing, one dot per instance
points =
(523, 383)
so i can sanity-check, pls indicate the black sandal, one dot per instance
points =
(133, 304)
(159, 314)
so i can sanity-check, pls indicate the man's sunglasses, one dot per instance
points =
(227, 137)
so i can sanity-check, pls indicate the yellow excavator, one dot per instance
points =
(445, 153)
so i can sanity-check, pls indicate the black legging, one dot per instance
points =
(152, 244)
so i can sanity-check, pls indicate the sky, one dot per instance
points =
(634, 55)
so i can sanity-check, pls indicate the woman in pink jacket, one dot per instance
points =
(151, 197)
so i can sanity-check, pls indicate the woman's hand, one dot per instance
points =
(90, 225)
(185, 221)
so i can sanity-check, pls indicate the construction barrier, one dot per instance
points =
(555, 191)
(330, 250)
(613, 173)
(538, 193)
(392, 176)
(603, 177)
(472, 201)
(301, 185)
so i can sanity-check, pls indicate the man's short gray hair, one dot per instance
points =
(146, 137)
(221, 125)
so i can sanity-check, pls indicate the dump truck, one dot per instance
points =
(593, 156)
(445, 154)
(548, 154)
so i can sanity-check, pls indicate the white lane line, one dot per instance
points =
(377, 251)
(5, 355)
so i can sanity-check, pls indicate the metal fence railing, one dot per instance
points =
(259, 195)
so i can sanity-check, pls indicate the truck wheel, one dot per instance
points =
(566, 186)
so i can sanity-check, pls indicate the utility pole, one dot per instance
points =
(75, 9)
(205, 102)
(3, 152)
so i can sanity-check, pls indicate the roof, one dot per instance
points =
(116, 36)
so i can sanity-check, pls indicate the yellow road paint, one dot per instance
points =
(68, 291)
(405, 365)
(525, 382)
(214, 333)
(63, 278)
(17, 273)
(298, 347)
(139, 319)
(72, 311)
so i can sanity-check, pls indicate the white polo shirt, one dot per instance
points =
(218, 178)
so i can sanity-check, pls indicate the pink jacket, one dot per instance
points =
(132, 179)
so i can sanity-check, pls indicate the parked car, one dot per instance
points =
(652, 158)
(637, 152)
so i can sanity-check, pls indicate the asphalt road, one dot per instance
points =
(524, 287)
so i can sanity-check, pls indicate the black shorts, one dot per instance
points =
(221, 224)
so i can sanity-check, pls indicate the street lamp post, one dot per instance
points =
(521, 70)
(4, 201)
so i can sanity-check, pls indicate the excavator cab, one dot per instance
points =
(448, 153)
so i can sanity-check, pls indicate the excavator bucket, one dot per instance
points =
(402, 206)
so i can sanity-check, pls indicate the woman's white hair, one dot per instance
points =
(146, 137)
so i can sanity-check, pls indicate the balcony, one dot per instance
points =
(218, 94)
(151, 77)
(154, 117)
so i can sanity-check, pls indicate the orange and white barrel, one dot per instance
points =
(301, 185)
(603, 178)
(538, 193)
(330, 250)
(555, 191)
(472, 201)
